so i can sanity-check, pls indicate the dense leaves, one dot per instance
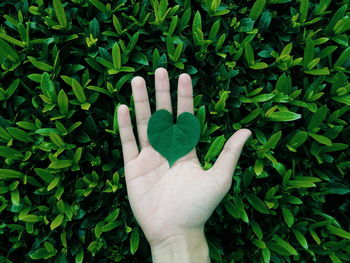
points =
(277, 67)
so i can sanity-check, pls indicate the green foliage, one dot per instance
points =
(277, 67)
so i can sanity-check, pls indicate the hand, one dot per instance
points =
(169, 202)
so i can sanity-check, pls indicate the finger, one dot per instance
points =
(129, 146)
(184, 94)
(185, 104)
(161, 80)
(228, 158)
(142, 109)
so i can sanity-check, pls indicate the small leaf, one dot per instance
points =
(30, 218)
(249, 53)
(60, 164)
(320, 138)
(257, 9)
(259, 65)
(288, 216)
(40, 65)
(8, 152)
(134, 241)
(304, 6)
(285, 245)
(298, 139)
(59, 10)
(116, 56)
(338, 231)
(79, 257)
(19, 135)
(301, 239)
(78, 91)
(257, 203)
(10, 174)
(62, 101)
(57, 221)
(320, 72)
(53, 183)
(283, 116)
(215, 148)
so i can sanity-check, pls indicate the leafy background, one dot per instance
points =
(277, 67)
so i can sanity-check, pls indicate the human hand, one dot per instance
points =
(171, 202)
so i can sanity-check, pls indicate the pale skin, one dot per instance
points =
(172, 205)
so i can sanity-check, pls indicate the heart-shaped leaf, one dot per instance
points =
(173, 140)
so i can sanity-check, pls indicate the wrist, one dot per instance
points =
(188, 247)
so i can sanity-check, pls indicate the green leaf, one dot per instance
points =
(44, 175)
(8, 152)
(320, 138)
(315, 236)
(8, 52)
(336, 17)
(12, 88)
(12, 40)
(256, 229)
(283, 116)
(338, 231)
(186, 16)
(177, 52)
(39, 64)
(259, 65)
(59, 10)
(19, 135)
(343, 57)
(249, 53)
(56, 139)
(266, 255)
(281, 242)
(41, 253)
(170, 46)
(47, 87)
(78, 90)
(257, 9)
(317, 118)
(272, 141)
(257, 203)
(215, 148)
(301, 239)
(173, 141)
(319, 72)
(116, 56)
(304, 7)
(15, 197)
(214, 30)
(335, 258)
(298, 139)
(30, 218)
(288, 216)
(53, 183)
(79, 257)
(99, 5)
(60, 164)
(258, 167)
(134, 241)
(57, 221)
(62, 101)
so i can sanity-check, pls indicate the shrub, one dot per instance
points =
(277, 67)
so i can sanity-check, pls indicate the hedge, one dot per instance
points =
(277, 67)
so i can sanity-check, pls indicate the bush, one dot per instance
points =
(277, 67)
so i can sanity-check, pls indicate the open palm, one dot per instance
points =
(170, 201)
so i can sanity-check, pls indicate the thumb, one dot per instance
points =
(228, 158)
